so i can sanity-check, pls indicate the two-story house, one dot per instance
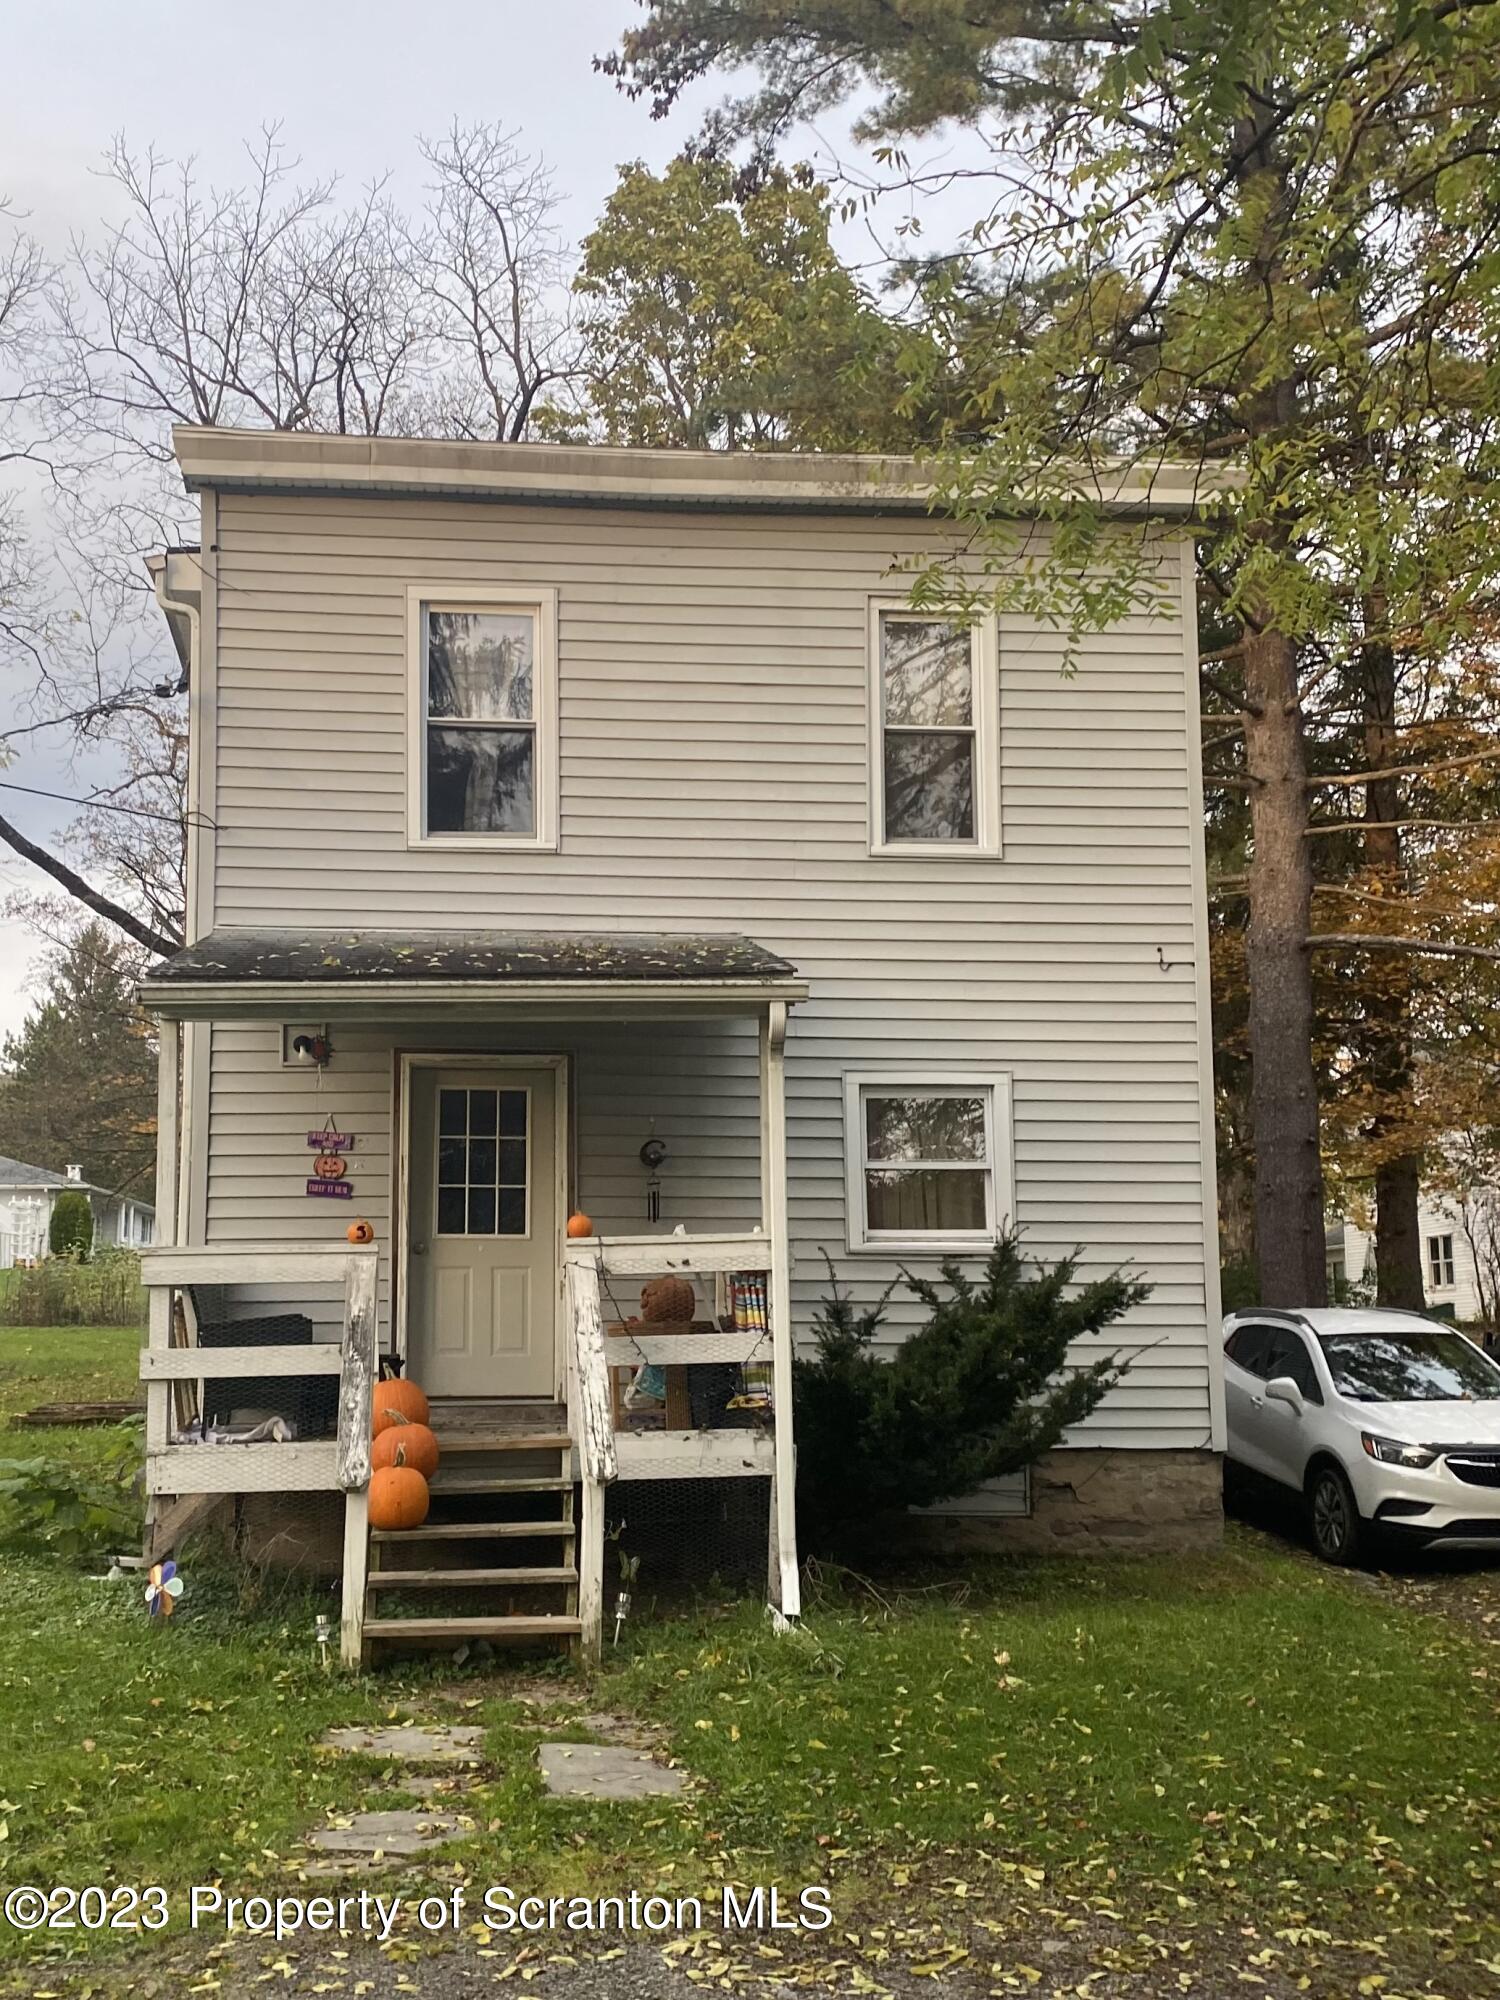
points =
(598, 832)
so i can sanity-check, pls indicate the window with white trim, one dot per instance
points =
(482, 755)
(1440, 1274)
(933, 758)
(928, 1161)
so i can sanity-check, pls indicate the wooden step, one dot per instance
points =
(447, 1482)
(471, 1531)
(422, 1579)
(471, 1441)
(543, 1627)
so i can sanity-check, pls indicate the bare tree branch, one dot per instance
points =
(76, 887)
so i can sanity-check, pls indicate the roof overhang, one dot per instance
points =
(409, 976)
(588, 475)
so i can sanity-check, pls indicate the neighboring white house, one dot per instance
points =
(594, 829)
(27, 1195)
(1448, 1263)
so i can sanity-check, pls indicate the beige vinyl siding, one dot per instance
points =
(713, 681)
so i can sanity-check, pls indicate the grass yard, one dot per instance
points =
(1236, 1770)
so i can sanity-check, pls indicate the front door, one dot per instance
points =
(482, 1273)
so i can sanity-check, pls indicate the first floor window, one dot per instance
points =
(928, 1161)
(482, 705)
(1440, 1263)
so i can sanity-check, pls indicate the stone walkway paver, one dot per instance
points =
(605, 1771)
(415, 1744)
(396, 1833)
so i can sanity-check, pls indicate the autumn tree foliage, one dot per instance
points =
(1218, 234)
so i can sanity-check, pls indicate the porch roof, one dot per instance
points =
(240, 973)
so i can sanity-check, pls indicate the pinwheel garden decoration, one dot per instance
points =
(164, 1589)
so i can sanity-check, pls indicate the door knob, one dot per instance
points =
(419, 1249)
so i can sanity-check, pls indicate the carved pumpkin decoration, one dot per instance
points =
(579, 1224)
(329, 1167)
(401, 1443)
(398, 1496)
(398, 1401)
(670, 1299)
(361, 1232)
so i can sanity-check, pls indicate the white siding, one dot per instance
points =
(713, 680)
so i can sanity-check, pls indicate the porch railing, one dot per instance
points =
(766, 1451)
(173, 1360)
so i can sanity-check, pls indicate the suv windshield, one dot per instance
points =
(1404, 1367)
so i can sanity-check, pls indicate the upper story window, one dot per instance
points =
(482, 749)
(934, 764)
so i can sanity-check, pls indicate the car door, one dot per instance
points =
(1244, 1391)
(1282, 1430)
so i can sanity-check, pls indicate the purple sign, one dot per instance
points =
(331, 1142)
(340, 1190)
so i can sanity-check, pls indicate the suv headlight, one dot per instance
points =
(1391, 1451)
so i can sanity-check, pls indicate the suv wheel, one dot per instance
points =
(1333, 1517)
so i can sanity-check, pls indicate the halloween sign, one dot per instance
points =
(330, 1169)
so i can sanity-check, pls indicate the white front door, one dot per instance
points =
(482, 1270)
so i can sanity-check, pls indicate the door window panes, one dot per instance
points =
(483, 1158)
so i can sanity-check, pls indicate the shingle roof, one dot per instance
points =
(334, 958)
(16, 1173)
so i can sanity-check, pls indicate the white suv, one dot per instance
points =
(1380, 1420)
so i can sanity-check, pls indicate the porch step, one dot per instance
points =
(471, 1531)
(474, 1441)
(447, 1483)
(543, 1627)
(422, 1579)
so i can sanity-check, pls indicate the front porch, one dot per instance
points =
(582, 1404)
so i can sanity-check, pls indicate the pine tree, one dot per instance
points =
(78, 1079)
(70, 1232)
(979, 1391)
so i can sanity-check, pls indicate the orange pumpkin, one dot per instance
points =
(407, 1444)
(579, 1224)
(361, 1232)
(397, 1400)
(398, 1496)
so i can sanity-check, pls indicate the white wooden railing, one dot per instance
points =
(312, 1465)
(768, 1452)
(591, 1426)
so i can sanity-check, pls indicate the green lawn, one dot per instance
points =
(1242, 1748)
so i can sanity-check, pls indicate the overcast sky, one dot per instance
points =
(351, 86)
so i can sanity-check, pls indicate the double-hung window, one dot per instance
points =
(1440, 1271)
(934, 760)
(482, 754)
(928, 1161)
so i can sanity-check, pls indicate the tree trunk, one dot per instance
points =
(1388, 998)
(1290, 1231)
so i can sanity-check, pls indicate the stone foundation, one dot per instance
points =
(1094, 1502)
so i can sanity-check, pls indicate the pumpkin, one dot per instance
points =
(407, 1444)
(669, 1299)
(398, 1496)
(361, 1232)
(398, 1401)
(579, 1224)
(329, 1166)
